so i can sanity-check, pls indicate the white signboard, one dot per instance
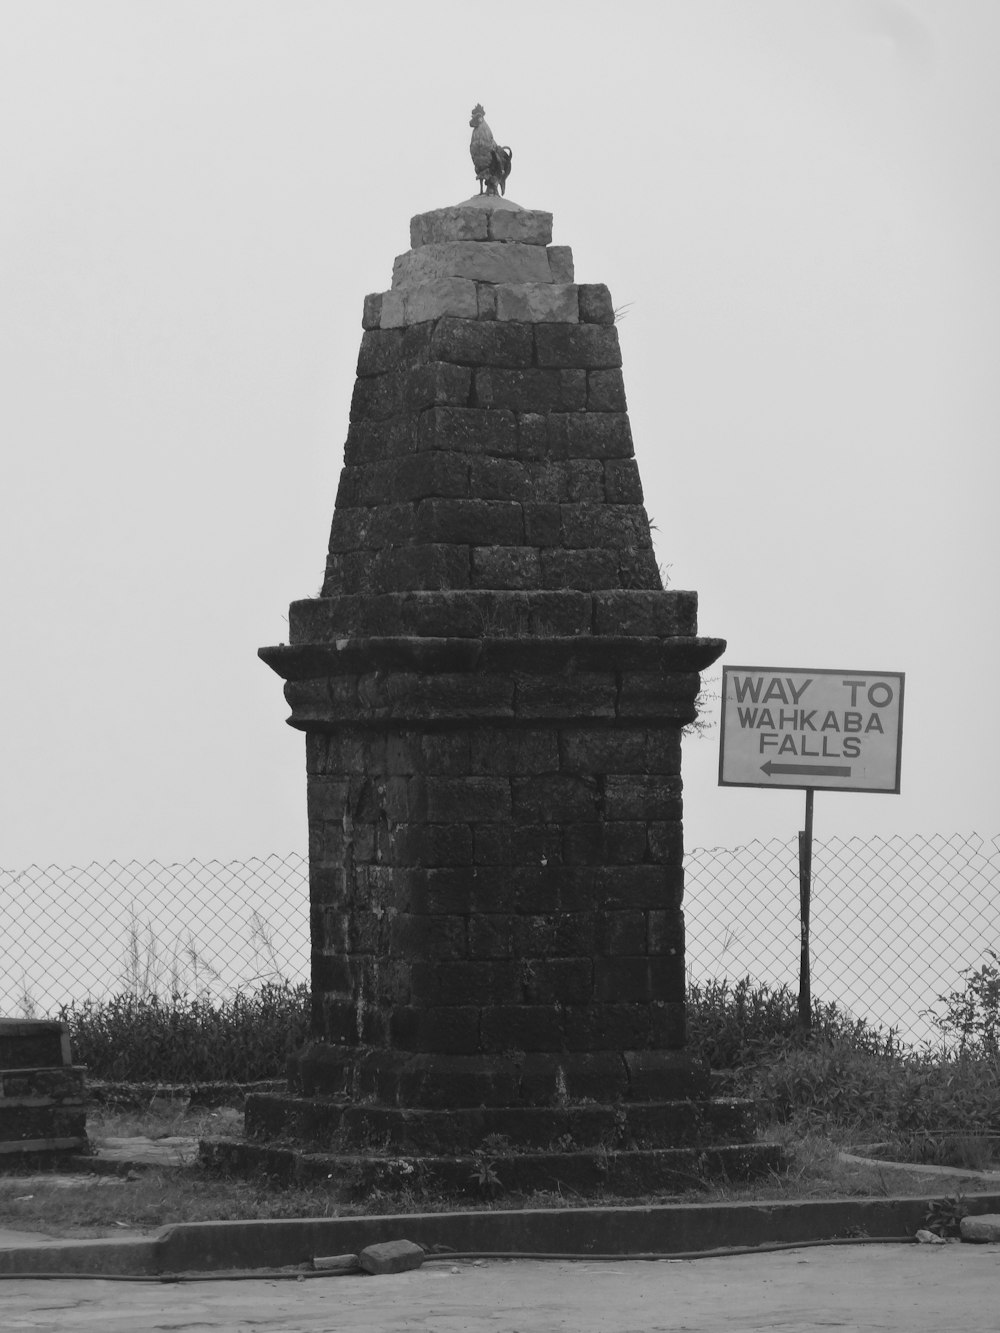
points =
(835, 730)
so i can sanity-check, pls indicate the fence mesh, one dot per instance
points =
(894, 923)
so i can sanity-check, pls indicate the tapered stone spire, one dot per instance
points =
(493, 684)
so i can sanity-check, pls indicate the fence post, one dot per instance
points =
(805, 885)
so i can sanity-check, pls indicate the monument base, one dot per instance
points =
(512, 1129)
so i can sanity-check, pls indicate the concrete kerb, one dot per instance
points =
(675, 1229)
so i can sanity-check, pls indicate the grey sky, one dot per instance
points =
(798, 203)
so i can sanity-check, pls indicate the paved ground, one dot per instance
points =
(909, 1288)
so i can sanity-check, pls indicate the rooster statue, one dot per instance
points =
(492, 162)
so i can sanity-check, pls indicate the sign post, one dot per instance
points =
(822, 729)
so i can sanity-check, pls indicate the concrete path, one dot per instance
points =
(909, 1288)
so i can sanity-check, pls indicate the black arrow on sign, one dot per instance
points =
(809, 770)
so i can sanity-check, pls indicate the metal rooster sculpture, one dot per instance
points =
(492, 162)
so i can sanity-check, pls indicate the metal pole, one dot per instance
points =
(805, 885)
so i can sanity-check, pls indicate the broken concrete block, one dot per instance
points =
(391, 1256)
(337, 1263)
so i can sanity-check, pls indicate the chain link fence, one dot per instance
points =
(894, 922)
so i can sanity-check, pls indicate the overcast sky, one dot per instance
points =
(799, 205)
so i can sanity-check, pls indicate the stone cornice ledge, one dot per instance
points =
(357, 655)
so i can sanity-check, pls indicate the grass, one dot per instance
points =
(114, 1205)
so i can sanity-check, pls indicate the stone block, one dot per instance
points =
(446, 800)
(535, 391)
(420, 936)
(467, 430)
(479, 343)
(523, 845)
(391, 1256)
(498, 522)
(449, 224)
(642, 796)
(586, 523)
(445, 890)
(446, 1028)
(668, 1025)
(666, 842)
(377, 397)
(982, 1228)
(595, 304)
(555, 935)
(666, 933)
(561, 263)
(583, 694)
(492, 478)
(384, 350)
(557, 980)
(486, 301)
(584, 346)
(618, 842)
(540, 887)
(514, 752)
(437, 384)
(33, 1043)
(392, 310)
(489, 261)
(643, 613)
(530, 226)
(433, 844)
(604, 750)
(445, 752)
(622, 484)
(433, 475)
(555, 798)
(437, 297)
(541, 436)
(520, 1027)
(491, 935)
(373, 527)
(542, 523)
(538, 302)
(372, 316)
(505, 567)
(658, 695)
(605, 391)
(643, 886)
(584, 479)
(374, 441)
(595, 1075)
(589, 569)
(607, 1026)
(622, 933)
(598, 435)
(475, 982)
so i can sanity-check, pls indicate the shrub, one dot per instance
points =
(733, 1025)
(190, 1039)
(972, 1014)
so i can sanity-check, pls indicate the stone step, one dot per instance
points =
(42, 1112)
(36, 1043)
(317, 1122)
(632, 1173)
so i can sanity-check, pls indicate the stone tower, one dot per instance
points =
(492, 684)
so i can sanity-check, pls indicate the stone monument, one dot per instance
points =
(492, 685)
